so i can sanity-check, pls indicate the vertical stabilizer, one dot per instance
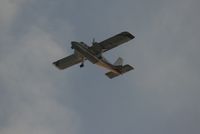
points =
(118, 62)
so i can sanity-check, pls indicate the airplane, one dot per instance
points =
(94, 53)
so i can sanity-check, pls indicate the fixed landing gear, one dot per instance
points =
(82, 65)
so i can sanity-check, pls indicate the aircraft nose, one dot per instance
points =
(74, 43)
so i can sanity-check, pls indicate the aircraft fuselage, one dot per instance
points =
(97, 59)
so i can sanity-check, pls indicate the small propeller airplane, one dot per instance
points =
(93, 53)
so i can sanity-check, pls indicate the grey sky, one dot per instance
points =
(160, 96)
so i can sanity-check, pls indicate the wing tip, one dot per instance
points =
(56, 64)
(126, 33)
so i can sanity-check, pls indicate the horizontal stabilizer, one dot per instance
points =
(111, 74)
(125, 68)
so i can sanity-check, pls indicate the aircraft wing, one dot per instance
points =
(116, 41)
(68, 61)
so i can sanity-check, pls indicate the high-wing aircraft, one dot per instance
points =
(93, 53)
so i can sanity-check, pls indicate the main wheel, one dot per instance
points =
(82, 65)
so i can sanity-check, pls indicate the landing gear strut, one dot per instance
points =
(82, 63)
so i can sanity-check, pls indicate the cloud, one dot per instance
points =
(29, 100)
(29, 82)
(159, 96)
(167, 73)
(8, 9)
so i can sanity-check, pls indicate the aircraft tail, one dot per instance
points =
(118, 62)
(125, 68)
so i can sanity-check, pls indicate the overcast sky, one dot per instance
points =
(161, 96)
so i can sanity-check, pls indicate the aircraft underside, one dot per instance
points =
(94, 54)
